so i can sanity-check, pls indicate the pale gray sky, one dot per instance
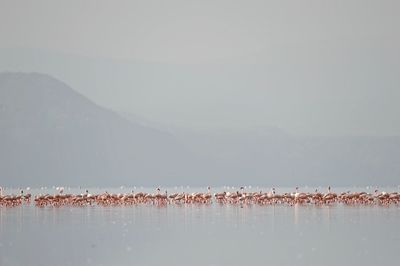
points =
(309, 67)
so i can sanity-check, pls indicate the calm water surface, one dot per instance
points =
(200, 235)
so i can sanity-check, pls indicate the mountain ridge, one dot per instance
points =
(50, 135)
(42, 117)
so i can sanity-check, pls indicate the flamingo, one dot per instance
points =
(207, 196)
(300, 197)
(240, 196)
(329, 196)
(271, 194)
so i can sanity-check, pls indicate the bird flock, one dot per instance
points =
(241, 197)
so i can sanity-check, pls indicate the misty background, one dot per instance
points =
(210, 92)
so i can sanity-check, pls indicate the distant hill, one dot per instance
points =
(284, 160)
(50, 134)
(269, 156)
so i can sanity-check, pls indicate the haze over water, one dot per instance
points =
(200, 235)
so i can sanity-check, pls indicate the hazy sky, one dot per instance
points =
(309, 67)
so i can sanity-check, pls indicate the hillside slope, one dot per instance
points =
(50, 134)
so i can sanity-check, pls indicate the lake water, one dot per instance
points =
(200, 235)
